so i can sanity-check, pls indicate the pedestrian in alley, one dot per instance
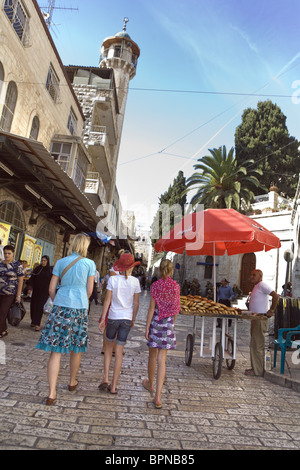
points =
(11, 285)
(195, 288)
(225, 295)
(121, 304)
(111, 272)
(259, 303)
(38, 285)
(160, 327)
(66, 329)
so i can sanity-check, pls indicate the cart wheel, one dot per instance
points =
(189, 346)
(230, 363)
(217, 361)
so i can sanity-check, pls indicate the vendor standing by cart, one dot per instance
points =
(259, 303)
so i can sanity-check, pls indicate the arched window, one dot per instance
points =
(47, 233)
(35, 127)
(1, 76)
(9, 107)
(208, 267)
(10, 214)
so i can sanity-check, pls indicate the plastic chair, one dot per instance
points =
(284, 343)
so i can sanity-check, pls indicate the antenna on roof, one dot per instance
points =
(49, 13)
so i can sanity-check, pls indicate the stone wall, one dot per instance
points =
(28, 67)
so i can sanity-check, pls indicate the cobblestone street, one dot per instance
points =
(199, 412)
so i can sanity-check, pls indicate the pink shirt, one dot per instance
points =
(166, 294)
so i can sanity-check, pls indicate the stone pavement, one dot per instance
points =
(234, 412)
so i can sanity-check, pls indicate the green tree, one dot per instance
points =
(171, 207)
(263, 136)
(221, 182)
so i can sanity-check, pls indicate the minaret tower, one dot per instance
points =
(120, 53)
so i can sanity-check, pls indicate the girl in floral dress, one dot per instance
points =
(160, 333)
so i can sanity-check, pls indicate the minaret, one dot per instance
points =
(120, 53)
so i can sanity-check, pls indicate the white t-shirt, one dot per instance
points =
(259, 299)
(123, 290)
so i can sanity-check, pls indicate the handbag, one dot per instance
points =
(16, 313)
(48, 306)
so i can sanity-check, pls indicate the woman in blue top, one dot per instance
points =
(66, 329)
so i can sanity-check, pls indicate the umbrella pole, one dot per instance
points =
(214, 272)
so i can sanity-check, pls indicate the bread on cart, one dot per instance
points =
(197, 305)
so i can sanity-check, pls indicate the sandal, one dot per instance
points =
(73, 387)
(103, 386)
(109, 390)
(5, 333)
(157, 405)
(50, 401)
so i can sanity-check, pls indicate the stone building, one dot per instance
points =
(102, 92)
(60, 131)
(43, 161)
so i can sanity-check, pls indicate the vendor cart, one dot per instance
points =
(216, 343)
(216, 232)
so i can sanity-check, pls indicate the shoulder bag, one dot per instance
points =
(49, 304)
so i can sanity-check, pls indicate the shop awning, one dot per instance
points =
(30, 171)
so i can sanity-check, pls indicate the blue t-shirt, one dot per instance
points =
(72, 290)
(225, 293)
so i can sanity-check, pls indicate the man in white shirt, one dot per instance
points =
(259, 303)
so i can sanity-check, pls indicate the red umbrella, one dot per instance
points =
(216, 232)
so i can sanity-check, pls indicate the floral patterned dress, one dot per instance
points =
(162, 332)
(66, 330)
(166, 294)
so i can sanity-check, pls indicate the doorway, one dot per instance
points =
(248, 264)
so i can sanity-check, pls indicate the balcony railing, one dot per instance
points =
(94, 185)
(96, 135)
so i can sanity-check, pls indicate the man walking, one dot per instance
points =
(259, 303)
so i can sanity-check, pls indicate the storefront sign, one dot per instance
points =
(28, 250)
(37, 255)
(4, 233)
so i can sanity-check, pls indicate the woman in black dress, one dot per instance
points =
(39, 285)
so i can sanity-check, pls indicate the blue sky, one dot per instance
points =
(214, 53)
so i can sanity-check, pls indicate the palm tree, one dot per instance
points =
(221, 183)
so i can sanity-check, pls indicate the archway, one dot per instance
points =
(46, 238)
(11, 214)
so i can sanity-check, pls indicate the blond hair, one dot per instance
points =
(80, 244)
(166, 268)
